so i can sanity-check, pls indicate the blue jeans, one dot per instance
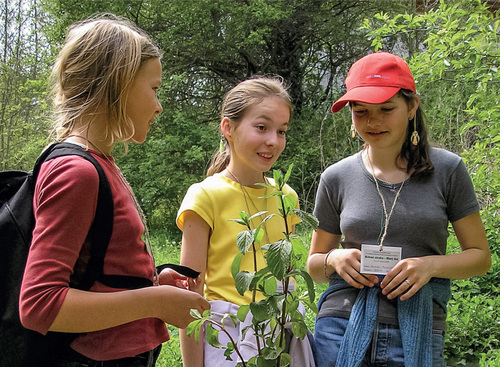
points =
(385, 350)
(74, 359)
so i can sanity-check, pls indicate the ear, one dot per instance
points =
(226, 128)
(412, 108)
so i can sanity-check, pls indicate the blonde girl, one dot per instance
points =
(105, 80)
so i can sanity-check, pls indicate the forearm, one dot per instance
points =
(192, 352)
(84, 311)
(463, 265)
(315, 268)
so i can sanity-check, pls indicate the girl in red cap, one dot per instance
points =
(389, 207)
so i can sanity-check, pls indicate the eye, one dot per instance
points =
(359, 112)
(282, 132)
(261, 127)
(387, 109)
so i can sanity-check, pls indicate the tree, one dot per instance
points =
(23, 84)
(211, 45)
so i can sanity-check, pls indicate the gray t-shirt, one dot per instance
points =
(348, 204)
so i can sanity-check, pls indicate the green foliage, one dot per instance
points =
(473, 323)
(284, 261)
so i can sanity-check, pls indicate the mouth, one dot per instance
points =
(265, 156)
(376, 133)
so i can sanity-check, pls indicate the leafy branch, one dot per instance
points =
(285, 260)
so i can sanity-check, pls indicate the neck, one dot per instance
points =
(384, 165)
(90, 140)
(244, 178)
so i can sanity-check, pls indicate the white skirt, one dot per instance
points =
(300, 350)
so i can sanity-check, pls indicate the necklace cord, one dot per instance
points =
(387, 217)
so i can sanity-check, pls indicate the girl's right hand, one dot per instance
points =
(177, 305)
(347, 264)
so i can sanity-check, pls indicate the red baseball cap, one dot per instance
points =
(375, 78)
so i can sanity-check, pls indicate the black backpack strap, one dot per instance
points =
(102, 226)
(125, 281)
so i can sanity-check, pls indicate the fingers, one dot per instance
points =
(347, 264)
(400, 286)
(406, 278)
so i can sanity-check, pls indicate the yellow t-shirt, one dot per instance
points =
(217, 199)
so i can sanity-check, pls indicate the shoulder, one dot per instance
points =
(213, 188)
(442, 155)
(444, 160)
(341, 168)
(69, 171)
(211, 184)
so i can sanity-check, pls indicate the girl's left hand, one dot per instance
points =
(171, 277)
(407, 277)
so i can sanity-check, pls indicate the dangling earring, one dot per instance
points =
(353, 131)
(415, 138)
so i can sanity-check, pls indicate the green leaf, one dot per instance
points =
(258, 214)
(299, 249)
(195, 314)
(309, 220)
(258, 234)
(289, 203)
(194, 328)
(244, 240)
(239, 221)
(285, 359)
(259, 311)
(275, 304)
(270, 353)
(232, 317)
(299, 329)
(236, 264)
(270, 286)
(278, 257)
(242, 281)
(288, 172)
(309, 282)
(242, 312)
(212, 336)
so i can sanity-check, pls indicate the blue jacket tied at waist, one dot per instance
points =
(414, 316)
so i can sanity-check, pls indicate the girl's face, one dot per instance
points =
(260, 137)
(142, 103)
(383, 125)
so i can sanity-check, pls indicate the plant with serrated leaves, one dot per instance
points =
(285, 260)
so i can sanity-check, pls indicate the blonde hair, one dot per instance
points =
(236, 103)
(93, 73)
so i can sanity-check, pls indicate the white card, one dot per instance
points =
(374, 261)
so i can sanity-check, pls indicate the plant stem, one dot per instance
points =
(221, 327)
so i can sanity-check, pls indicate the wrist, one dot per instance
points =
(325, 264)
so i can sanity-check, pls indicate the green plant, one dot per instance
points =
(285, 260)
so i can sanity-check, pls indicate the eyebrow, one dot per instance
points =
(354, 103)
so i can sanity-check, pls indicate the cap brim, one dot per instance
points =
(372, 95)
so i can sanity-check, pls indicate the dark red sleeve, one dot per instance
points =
(64, 205)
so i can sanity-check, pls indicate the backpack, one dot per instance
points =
(21, 347)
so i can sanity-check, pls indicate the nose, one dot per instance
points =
(273, 138)
(159, 108)
(373, 120)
